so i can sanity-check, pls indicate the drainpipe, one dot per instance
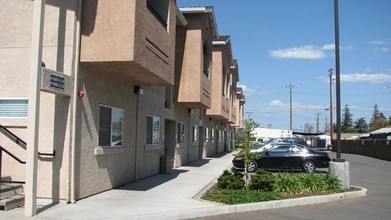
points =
(190, 132)
(33, 108)
(72, 198)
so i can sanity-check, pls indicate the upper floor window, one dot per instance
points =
(153, 130)
(206, 59)
(160, 9)
(110, 126)
(13, 108)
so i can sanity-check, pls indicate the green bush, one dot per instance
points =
(229, 196)
(287, 183)
(229, 180)
(262, 181)
(292, 183)
(332, 183)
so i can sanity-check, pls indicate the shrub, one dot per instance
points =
(229, 180)
(332, 183)
(311, 183)
(286, 183)
(261, 181)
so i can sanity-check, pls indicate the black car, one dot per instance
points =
(286, 156)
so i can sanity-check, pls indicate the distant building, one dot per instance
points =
(267, 133)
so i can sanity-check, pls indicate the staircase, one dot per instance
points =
(11, 194)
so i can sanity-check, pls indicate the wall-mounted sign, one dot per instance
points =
(56, 82)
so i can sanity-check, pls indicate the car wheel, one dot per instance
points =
(309, 166)
(252, 166)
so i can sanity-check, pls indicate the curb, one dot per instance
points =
(222, 209)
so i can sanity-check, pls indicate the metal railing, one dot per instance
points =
(9, 134)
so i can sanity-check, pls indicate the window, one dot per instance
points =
(153, 130)
(212, 136)
(180, 133)
(206, 59)
(194, 137)
(159, 9)
(206, 134)
(13, 108)
(281, 149)
(110, 126)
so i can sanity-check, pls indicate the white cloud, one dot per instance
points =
(328, 47)
(378, 42)
(363, 77)
(308, 52)
(250, 91)
(276, 103)
(384, 49)
(360, 77)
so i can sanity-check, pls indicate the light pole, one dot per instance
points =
(337, 82)
(331, 106)
(290, 86)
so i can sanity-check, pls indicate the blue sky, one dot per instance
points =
(282, 42)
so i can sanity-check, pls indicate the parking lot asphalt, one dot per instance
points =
(161, 196)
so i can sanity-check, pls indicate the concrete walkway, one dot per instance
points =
(166, 197)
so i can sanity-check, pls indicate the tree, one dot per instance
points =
(308, 128)
(249, 139)
(347, 122)
(241, 138)
(378, 120)
(361, 126)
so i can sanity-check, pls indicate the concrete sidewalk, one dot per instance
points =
(163, 196)
(167, 197)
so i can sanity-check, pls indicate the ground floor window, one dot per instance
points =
(206, 134)
(110, 126)
(212, 136)
(180, 133)
(153, 130)
(194, 137)
(13, 108)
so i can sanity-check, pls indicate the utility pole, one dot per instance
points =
(317, 121)
(290, 86)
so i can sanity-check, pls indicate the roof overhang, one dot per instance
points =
(203, 9)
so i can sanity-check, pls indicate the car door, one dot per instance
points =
(296, 156)
(277, 157)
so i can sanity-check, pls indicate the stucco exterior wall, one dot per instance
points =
(58, 54)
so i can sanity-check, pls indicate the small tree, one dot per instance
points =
(247, 156)
(309, 128)
(347, 122)
(361, 126)
(378, 120)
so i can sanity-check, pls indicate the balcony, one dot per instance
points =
(194, 57)
(132, 40)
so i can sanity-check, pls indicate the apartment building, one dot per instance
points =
(129, 90)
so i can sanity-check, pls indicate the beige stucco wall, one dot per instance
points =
(96, 172)
(194, 87)
(58, 50)
(125, 39)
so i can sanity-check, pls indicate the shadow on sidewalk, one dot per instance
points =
(152, 182)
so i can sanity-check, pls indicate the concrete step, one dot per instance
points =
(12, 202)
(10, 189)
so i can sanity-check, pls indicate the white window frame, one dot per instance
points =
(154, 132)
(14, 110)
(206, 134)
(194, 136)
(180, 132)
(111, 127)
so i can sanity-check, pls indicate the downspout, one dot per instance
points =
(190, 137)
(72, 198)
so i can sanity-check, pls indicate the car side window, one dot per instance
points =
(296, 150)
(281, 149)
